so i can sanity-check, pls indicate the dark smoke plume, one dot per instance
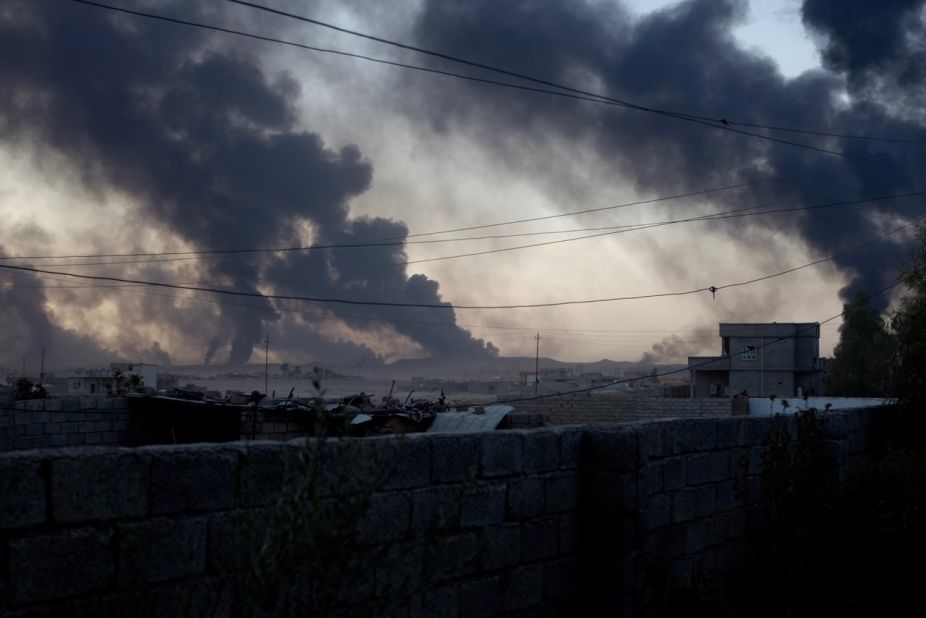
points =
(676, 349)
(208, 145)
(685, 58)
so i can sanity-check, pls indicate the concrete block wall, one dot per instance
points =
(607, 407)
(552, 521)
(485, 522)
(70, 421)
(680, 497)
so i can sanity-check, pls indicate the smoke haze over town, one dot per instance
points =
(124, 135)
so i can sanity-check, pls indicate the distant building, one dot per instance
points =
(761, 360)
(103, 381)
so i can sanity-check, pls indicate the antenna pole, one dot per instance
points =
(266, 363)
(537, 365)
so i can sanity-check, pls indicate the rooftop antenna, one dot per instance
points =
(266, 362)
(537, 366)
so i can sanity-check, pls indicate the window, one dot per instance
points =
(749, 352)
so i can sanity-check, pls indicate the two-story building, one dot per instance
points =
(761, 360)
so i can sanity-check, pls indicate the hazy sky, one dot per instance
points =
(119, 135)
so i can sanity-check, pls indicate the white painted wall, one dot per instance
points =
(759, 406)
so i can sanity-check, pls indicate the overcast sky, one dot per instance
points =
(120, 135)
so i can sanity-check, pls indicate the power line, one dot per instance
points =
(712, 289)
(734, 214)
(712, 360)
(719, 124)
(605, 231)
(385, 241)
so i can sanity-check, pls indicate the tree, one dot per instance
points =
(909, 325)
(863, 358)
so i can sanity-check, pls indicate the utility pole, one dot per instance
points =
(537, 366)
(42, 370)
(266, 363)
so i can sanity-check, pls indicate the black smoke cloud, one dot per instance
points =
(26, 328)
(676, 349)
(685, 58)
(209, 147)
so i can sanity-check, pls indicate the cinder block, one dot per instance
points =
(400, 571)
(725, 496)
(651, 442)
(675, 473)
(696, 535)
(262, 468)
(539, 539)
(408, 461)
(728, 432)
(561, 493)
(501, 453)
(684, 505)
(480, 598)
(611, 450)
(658, 512)
(541, 451)
(88, 403)
(40, 417)
(522, 588)
(720, 465)
(438, 602)
(699, 468)
(76, 439)
(59, 564)
(706, 500)
(99, 486)
(525, 497)
(387, 519)
(191, 479)
(22, 492)
(483, 505)
(454, 457)
(161, 549)
(436, 508)
(501, 546)
(609, 492)
(570, 440)
(451, 557)
(692, 435)
(651, 477)
(58, 440)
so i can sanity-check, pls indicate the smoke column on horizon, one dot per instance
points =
(208, 146)
(686, 58)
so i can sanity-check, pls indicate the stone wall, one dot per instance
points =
(108, 421)
(609, 408)
(555, 521)
(71, 421)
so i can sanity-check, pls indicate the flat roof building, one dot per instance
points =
(761, 360)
